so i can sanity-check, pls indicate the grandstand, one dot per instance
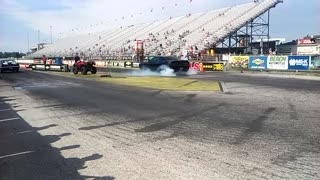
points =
(170, 36)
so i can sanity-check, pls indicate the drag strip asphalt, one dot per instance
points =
(262, 128)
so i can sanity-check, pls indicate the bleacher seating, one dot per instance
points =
(170, 36)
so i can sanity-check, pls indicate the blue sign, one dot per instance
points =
(258, 62)
(299, 62)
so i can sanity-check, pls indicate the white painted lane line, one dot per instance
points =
(10, 119)
(16, 154)
(5, 110)
(24, 132)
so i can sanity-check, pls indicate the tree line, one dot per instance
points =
(11, 54)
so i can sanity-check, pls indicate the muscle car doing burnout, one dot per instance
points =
(158, 63)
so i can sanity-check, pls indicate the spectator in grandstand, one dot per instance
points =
(44, 59)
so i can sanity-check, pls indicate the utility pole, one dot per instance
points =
(38, 36)
(28, 43)
(38, 40)
(51, 33)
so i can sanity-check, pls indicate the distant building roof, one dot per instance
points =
(271, 39)
(294, 42)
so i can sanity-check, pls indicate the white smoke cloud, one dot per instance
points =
(163, 71)
(191, 72)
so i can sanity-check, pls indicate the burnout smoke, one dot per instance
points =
(191, 72)
(163, 71)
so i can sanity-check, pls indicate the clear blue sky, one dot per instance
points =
(18, 18)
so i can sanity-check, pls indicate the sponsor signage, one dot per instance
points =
(212, 66)
(136, 65)
(258, 62)
(306, 41)
(277, 62)
(239, 61)
(40, 66)
(299, 62)
(308, 50)
(55, 67)
(128, 64)
(100, 63)
(50, 67)
(194, 66)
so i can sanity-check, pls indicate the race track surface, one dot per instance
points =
(55, 127)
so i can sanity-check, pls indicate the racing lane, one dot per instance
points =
(262, 129)
(255, 79)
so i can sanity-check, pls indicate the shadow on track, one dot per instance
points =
(25, 154)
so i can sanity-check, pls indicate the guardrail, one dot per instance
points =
(50, 67)
(194, 65)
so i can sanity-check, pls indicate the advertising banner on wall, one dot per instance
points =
(308, 50)
(299, 62)
(239, 61)
(315, 63)
(258, 62)
(213, 66)
(306, 41)
(277, 62)
(194, 66)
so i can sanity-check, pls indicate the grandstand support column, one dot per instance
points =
(260, 29)
(268, 29)
(251, 37)
(229, 44)
(246, 44)
(240, 41)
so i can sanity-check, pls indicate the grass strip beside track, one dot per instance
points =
(153, 82)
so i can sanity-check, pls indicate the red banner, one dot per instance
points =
(306, 41)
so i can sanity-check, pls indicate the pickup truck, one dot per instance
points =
(156, 63)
